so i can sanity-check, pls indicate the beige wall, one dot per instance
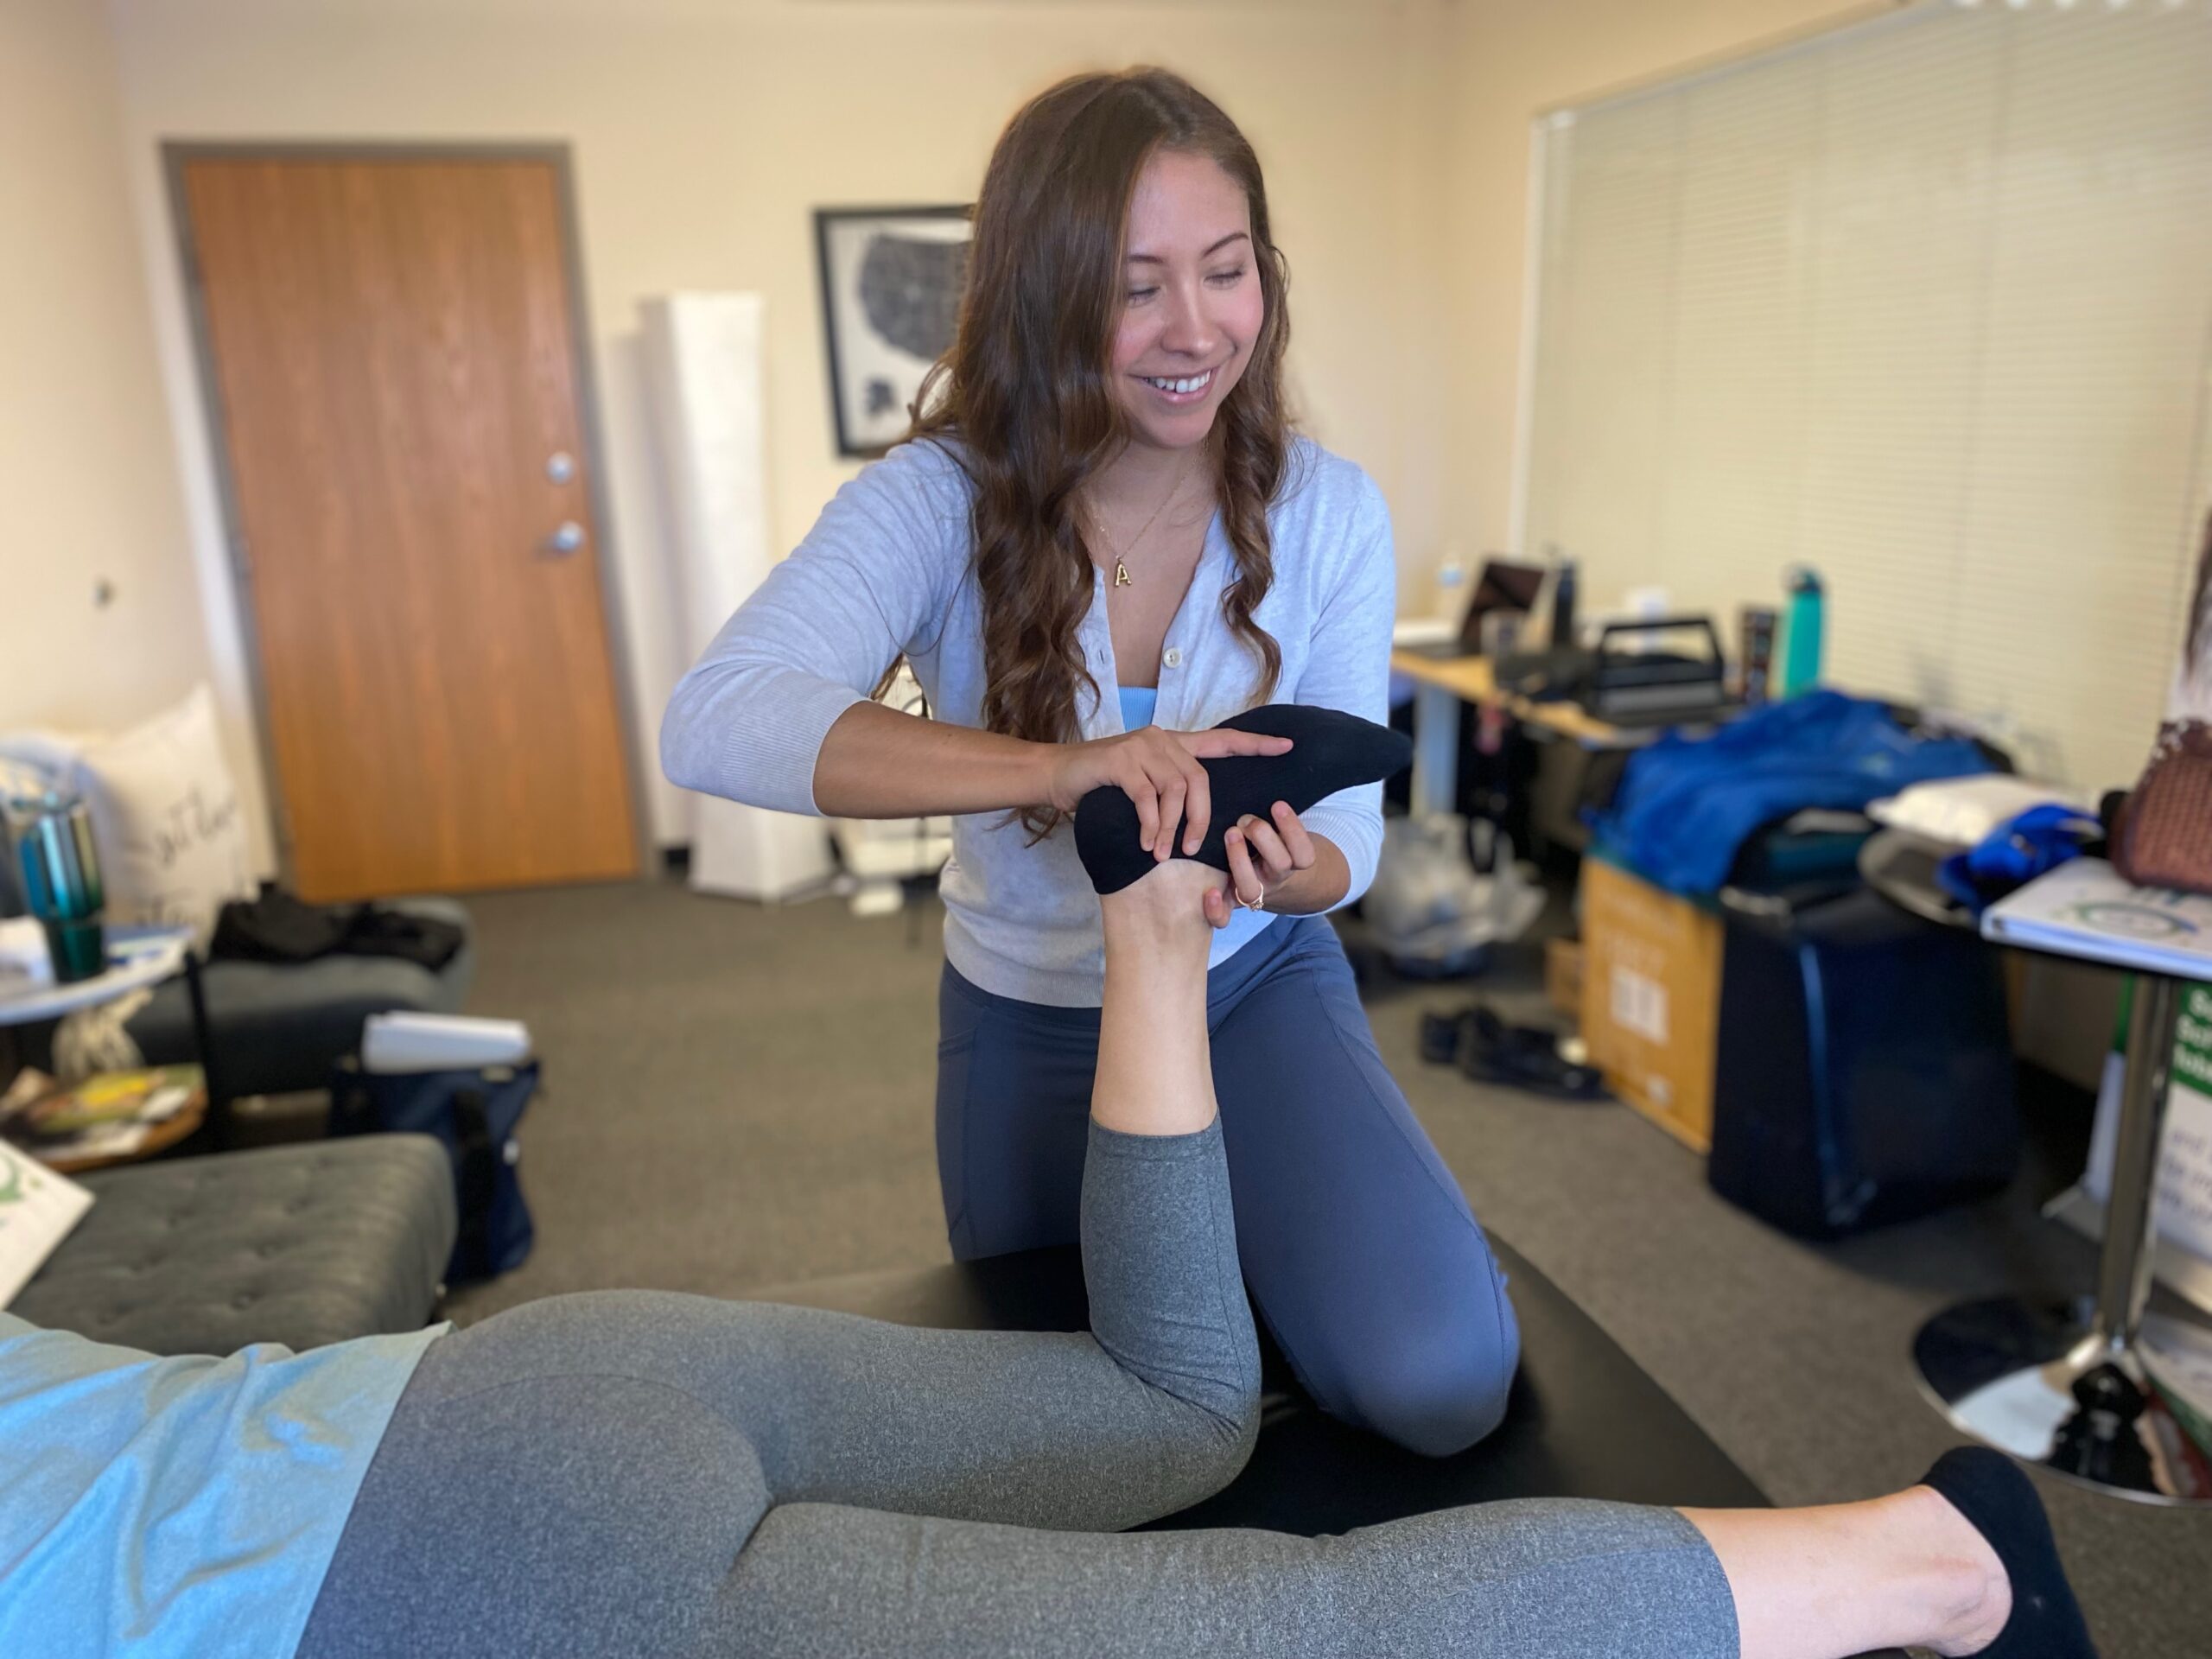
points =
(87, 477)
(704, 136)
(1395, 134)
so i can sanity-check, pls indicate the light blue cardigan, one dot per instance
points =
(886, 570)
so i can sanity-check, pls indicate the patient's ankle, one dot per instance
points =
(1164, 908)
(1969, 1594)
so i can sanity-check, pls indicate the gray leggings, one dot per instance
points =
(634, 1472)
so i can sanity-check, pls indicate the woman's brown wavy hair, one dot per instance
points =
(1027, 392)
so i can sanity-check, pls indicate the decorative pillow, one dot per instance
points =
(165, 813)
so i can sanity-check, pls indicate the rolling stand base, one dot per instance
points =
(2042, 1384)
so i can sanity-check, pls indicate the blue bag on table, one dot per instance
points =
(1686, 806)
(473, 1112)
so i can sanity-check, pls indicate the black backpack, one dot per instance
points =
(474, 1113)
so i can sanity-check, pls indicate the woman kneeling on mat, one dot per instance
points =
(634, 1472)
(1103, 539)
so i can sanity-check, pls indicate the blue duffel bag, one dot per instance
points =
(474, 1113)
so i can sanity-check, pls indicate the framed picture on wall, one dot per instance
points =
(891, 281)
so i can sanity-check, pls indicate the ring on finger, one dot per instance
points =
(1260, 903)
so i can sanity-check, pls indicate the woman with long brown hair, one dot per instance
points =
(1102, 540)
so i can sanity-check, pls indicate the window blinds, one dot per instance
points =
(1925, 303)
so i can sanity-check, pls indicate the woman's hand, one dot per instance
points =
(1266, 856)
(1159, 772)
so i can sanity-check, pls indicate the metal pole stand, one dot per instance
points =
(219, 1098)
(1436, 751)
(2066, 1388)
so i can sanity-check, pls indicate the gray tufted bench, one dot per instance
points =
(300, 1245)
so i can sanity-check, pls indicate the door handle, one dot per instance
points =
(566, 538)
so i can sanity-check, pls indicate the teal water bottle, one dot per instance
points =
(1801, 633)
(60, 870)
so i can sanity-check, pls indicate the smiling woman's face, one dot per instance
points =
(1193, 305)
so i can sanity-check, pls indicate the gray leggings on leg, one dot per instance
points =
(634, 1472)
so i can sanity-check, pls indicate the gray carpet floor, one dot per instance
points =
(739, 1096)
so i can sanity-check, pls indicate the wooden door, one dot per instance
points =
(390, 347)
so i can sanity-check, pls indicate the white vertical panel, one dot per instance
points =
(702, 361)
(703, 357)
(1926, 303)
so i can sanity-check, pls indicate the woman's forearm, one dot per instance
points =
(877, 763)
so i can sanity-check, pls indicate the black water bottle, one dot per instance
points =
(1563, 606)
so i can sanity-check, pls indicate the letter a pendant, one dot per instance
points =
(1121, 574)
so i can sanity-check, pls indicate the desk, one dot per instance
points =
(2067, 1388)
(1442, 684)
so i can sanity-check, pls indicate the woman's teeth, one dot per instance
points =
(1194, 383)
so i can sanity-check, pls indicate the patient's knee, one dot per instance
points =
(1212, 1443)
(1235, 1429)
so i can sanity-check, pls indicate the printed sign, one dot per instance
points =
(1639, 1004)
(37, 1209)
(2184, 1196)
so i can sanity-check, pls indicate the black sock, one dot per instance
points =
(2000, 1502)
(1330, 750)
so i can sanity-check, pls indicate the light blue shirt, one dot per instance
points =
(179, 1506)
(887, 569)
(1244, 926)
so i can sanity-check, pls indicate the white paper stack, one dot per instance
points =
(1966, 811)
(2085, 908)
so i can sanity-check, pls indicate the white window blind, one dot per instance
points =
(1925, 303)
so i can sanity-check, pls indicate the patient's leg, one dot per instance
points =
(1155, 1068)
(1542, 1580)
(591, 1480)
(1538, 1579)
(1155, 1411)
(576, 1475)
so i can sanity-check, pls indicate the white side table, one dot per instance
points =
(137, 957)
(2067, 1388)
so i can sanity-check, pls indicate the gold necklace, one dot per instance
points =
(1122, 578)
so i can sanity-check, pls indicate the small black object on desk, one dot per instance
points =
(1626, 687)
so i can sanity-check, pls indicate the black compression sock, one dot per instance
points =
(2000, 1502)
(1330, 750)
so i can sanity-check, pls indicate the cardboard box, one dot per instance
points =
(1563, 976)
(1651, 997)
